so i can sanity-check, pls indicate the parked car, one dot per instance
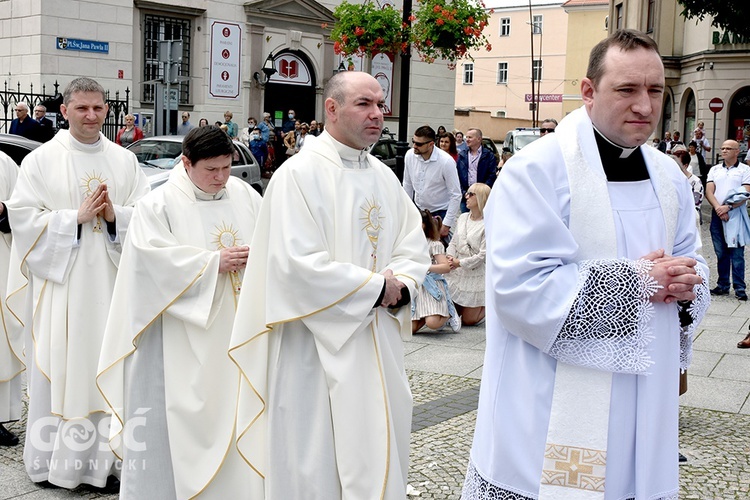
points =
(517, 139)
(490, 144)
(17, 147)
(385, 149)
(157, 155)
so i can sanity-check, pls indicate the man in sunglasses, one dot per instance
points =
(548, 126)
(431, 179)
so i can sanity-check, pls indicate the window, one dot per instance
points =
(502, 73)
(650, 17)
(156, 28)
(505, 26)
(468, 73)
(536, 70)
(618, 16)
(537, 25)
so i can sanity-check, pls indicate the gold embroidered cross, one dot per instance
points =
(573, 467)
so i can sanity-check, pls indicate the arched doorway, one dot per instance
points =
(739, 119)
(292, 87)
(666, 117)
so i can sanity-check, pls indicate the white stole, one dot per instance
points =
(576, 447)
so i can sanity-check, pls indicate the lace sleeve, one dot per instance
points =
(607, 326)
(696, 310)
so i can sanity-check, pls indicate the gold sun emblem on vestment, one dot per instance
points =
(372, 224)
(225, 236)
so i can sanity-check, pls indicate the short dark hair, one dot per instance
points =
(206, 142)
(693, 143)
(425, 131)
(82, 84)
(626, 40)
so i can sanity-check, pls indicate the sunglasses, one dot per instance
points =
(420, 144)
(546, 130)
(469, 194)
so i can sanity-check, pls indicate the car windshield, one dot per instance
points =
(524, 140)
(160, 154)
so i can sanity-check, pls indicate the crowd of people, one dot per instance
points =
(212, 344)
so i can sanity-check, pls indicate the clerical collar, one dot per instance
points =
(350, 157)
(82, 146)
(624, 152)
(619, 167)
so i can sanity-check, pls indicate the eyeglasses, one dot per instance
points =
(420, 144)
(469, 194)
(728, 149)
(546, 130)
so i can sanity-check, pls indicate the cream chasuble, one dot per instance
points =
(11, 339)
(67, 282)
(170, 272)
(325, 406)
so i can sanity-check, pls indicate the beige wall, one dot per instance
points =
(492, 127)
(485, 94)
(586, 27)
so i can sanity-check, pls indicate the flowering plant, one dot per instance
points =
(449, 29)
(365, 29)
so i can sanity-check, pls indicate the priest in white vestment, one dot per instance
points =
(69, 213)
(325, 405)
(164, 366)
(594, 288)
(11, 342)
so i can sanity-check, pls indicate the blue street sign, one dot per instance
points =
(84, 45)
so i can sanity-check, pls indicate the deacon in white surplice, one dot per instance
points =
(164, 366)
(11, 341)
(69, 213)
(594, 288)
(325, 406)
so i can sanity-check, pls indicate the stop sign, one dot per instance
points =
(715, 104)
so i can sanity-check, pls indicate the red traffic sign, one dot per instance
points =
(715, 105)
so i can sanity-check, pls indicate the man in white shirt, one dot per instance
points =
(431, 178)
(703, 146)
(728, 175)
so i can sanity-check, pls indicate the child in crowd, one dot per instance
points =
(433, 307)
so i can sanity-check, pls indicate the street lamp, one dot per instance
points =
(340, 68)
(268, 71)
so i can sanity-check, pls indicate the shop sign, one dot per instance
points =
(728, 38)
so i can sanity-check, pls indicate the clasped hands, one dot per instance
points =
(98, 203)
(676, 275)
(393, 289)
(453, 261)
(233, 258)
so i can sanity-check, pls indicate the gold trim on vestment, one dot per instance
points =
(387, 411)
(134, 341)
(10, 347)
(574, 467)
(269, 327)
(20, 269)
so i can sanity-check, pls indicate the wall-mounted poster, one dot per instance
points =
(382, 70)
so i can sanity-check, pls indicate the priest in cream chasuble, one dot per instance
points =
(325, 406)
(69, 212)
(164, 366)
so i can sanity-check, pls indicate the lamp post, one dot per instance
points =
(402, 145)
(268, 70)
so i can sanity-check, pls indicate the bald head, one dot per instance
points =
(353, 105)
(730, 150)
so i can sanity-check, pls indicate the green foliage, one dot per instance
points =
(449, 29)
(730, 15)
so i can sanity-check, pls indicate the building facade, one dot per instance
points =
(217, 66)
(703, 64)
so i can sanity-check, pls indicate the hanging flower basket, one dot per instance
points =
(365, 29)
(449, 29)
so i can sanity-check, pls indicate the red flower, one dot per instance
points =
(324, 25)
(379, 41)
(345, 38)
(489, 47)
(470, 20)
(359, 31)
(361, 48)
(428, 43)
(337, 47)
(477, 32)
(412, 18)
(439, 22)
(468, 30)
(444, 12)
(436, 8)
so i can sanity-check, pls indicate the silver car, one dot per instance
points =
(158, 155)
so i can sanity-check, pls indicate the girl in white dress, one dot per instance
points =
(432, 307)
(466, 254)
